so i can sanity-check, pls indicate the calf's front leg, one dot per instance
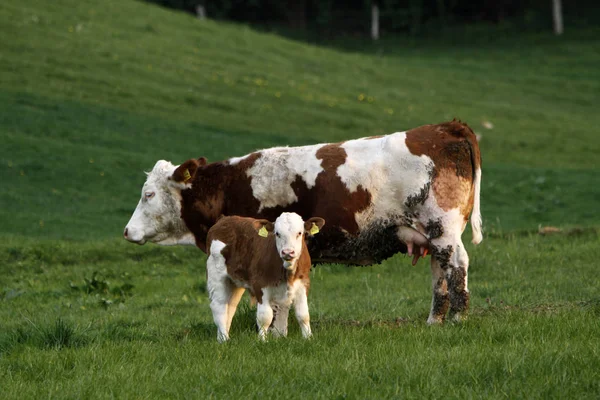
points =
(301, 310)
(264, 316)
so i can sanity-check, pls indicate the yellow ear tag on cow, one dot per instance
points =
(314, 229)
(186, 175)
(263, 232)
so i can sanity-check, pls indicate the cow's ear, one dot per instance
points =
(313, 225)
(185, 173)
(263, 226)
(202, 161)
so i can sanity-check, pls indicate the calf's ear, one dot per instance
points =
(263, 226)
(186, 172)
(313, 225)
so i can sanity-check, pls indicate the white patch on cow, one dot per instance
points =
(158, 218)
(273, 173)
(289, 237)
(237, 160)
(387, 169)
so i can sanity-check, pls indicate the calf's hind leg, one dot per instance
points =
(234, 300)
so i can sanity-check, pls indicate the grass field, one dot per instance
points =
(92, 96)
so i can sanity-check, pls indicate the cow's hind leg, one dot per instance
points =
(458, 283)
(449, 275)
(440, 299)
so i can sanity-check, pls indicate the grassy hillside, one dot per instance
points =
(93, 93)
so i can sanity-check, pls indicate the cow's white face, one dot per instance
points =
(289, 234)
(157, 217)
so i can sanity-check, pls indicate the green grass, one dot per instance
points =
(92, 96)
(534, 339)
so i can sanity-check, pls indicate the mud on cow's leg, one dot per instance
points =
(458, 284)
(449, 266)
(440, 299)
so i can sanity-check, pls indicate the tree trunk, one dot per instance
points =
(557, 17)
(374, 22)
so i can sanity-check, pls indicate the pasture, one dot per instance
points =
(92, 96)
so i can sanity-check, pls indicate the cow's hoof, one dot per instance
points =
(435, 320)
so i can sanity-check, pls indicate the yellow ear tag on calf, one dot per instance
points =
(314, 229)
(263, 232)
(186, 175)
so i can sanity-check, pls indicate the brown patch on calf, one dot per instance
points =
(455, 153)
(253, 259)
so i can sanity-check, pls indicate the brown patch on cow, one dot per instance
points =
(340, 209)
(455, 153)
(453, 191)
(208, 199)
(254, 259)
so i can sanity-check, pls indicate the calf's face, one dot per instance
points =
(290, 230)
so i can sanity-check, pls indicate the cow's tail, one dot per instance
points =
(476, 213)
(476, 168)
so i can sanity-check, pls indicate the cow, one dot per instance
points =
(270, 260)
(408, 192)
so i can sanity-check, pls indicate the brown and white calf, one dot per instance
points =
(270, 260)
(409, 192)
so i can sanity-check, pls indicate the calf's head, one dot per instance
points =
(157, 217)
(290, 231)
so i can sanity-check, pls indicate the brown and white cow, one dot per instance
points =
(270, 260)
(407, 192)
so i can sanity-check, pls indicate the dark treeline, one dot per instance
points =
(333, 17)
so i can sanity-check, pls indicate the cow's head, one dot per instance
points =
(157, 217)
(290, 231)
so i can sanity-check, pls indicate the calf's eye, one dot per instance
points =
(149, 195)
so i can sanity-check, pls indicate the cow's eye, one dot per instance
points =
(277, 234)
(149, 195)
(299, 234)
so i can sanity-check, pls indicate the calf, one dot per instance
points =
(269, 259)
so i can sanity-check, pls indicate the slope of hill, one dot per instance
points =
(93, 94)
